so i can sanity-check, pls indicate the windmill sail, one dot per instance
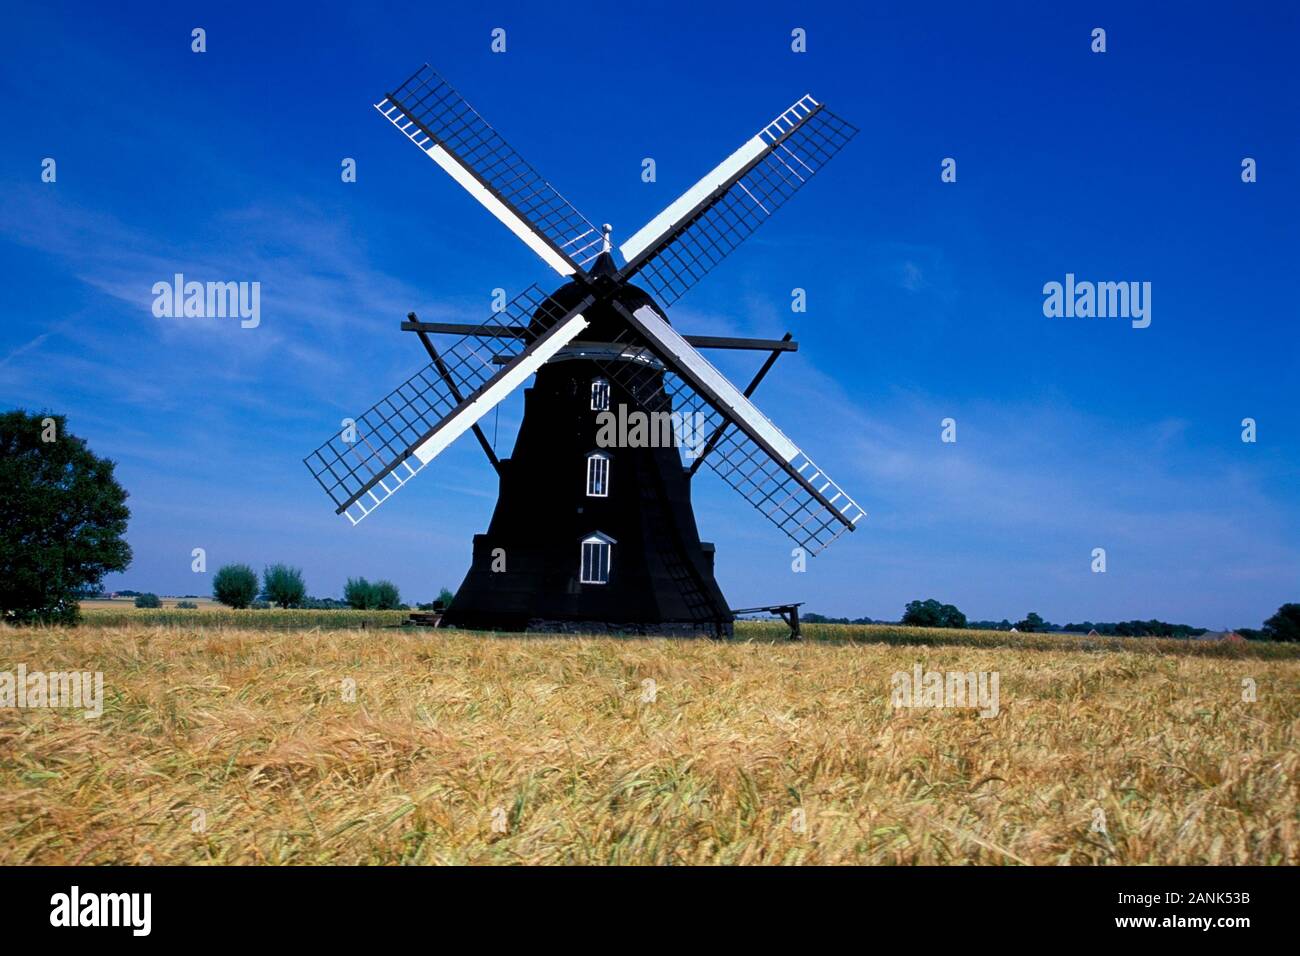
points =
(678, 247)
(746, 449)
(450, 132)
(362, 465)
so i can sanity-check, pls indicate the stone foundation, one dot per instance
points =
(665, 629)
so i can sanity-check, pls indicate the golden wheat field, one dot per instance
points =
(222, 744)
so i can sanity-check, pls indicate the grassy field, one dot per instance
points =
(222, 743)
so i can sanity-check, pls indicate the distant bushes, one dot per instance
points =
(361, 595)
(283, 586)
(440, 603)
(1033, 623)
(1152, 628)
(812, 617)
(187, 606)
(148, 600)
(1284, 625)
(931, 613)
(235, 585)
(387, 597)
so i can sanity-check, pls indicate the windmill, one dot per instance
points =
(589, 532)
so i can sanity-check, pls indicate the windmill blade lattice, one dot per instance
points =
(770, 169)
(430, 113)
(793, 493)
(801, 499)
(362, 465)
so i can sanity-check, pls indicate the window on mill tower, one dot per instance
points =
(597, 475)
(595, 562)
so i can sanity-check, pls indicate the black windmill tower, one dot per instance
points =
(587, 533)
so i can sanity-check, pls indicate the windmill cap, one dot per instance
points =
(604, 265)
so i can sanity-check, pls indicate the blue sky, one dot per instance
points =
(924, 298)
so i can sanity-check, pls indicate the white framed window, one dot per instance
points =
(597, 475)
(599, 394)
(596, 561)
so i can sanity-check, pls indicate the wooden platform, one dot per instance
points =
(788, 612)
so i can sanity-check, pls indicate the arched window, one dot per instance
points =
(597, 475)
(596, 558)
(599, 394)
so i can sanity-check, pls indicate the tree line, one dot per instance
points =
(237, 586)
(1282, 626)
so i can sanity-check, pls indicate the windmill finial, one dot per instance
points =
(606, 229)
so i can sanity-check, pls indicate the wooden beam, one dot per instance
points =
(442, 370)
(519, 332)
(749, 390)
(755, 345)
(459, 328)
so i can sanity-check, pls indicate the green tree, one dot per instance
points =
(360, 594)
(148, 599)
(235, 585)
(387, 597)
(444, 598)
(283, 585)
(931, 613)
(921, 613)
(62, 519)
(1031, 623)
(1284, 625)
